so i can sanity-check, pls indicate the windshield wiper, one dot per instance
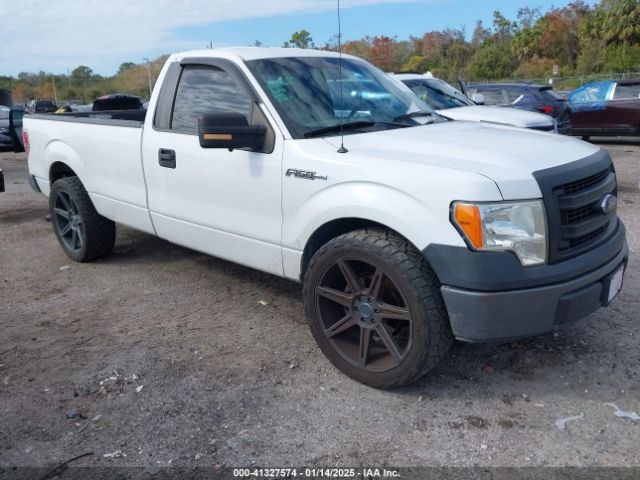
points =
(338, 127)
(419, 113)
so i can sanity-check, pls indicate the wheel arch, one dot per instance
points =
(62, 160)
(332, 229)
(59, 169)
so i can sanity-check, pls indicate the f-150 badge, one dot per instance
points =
(292, 172)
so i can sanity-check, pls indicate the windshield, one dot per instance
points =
(4, 114)
(307, 91)
(438, 94)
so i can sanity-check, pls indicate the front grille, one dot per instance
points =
(584, 183)
(576, 215)
(572, 197)
(581, 240)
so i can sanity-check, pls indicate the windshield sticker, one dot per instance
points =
(279, 88)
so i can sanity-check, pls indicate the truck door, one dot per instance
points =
(221, 202)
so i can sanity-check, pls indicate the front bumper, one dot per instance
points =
(498, 315)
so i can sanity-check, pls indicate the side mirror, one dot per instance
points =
(229, 130)
(478, 98)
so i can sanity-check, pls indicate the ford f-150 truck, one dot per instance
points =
(411, 232)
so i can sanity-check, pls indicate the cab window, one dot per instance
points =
(202, 90)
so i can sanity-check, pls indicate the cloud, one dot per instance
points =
(45, 34)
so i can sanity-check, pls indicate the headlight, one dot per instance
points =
(519, 227)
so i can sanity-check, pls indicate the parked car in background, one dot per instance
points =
(454, 104)
(117, 101)
(5, 139)
(41, 106)
(606, 108)
(536, 98)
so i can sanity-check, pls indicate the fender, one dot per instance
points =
(395, 209)
(57, 151)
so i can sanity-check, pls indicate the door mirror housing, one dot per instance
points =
(229, 130)
(478, 98)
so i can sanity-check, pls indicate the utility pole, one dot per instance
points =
(149, 75)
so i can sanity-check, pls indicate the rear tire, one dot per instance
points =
(375, 309)
(83, 233)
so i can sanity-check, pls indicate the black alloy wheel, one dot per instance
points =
(68, 222)
(364, 315)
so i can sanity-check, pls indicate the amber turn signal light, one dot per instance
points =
(467, 217)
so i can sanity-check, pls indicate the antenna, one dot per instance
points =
(341, 149)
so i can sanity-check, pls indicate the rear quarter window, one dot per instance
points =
(492, 96)
(627, 91)
(552, 94)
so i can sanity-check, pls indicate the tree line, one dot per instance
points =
(579, 39)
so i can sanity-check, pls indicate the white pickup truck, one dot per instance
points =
(417, 231)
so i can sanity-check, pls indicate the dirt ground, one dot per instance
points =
(170, 357)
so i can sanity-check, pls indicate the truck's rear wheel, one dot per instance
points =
(375, 309)
(83, 233)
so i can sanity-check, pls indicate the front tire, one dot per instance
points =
(83, 233)
(375, 309)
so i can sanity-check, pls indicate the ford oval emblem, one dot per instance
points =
(607, 204)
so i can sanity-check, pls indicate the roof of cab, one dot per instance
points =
(256, 53)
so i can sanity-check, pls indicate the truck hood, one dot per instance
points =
(509, 156)
(505, 116)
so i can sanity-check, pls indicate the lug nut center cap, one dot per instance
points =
(366, 310)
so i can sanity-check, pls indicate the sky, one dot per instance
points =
(58, 35)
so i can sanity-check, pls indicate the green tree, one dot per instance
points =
(494, 60)
(300, 39)
(125, 66)
(81, 75)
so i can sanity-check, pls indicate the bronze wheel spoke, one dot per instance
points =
(66, 229)
(376, 283)
(365, 340)
(61, 212)
(389, 342)
(342, 298)
(349, 275)
(341, 325)
(391, 312)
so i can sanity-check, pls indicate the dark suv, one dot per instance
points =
(41, 106)
(537, 98)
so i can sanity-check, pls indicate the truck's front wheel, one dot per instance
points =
(375, 309)
(83, 233)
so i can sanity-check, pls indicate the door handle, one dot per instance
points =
(167, 158)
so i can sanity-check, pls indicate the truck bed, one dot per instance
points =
(102, 148)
